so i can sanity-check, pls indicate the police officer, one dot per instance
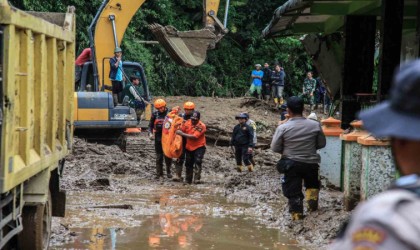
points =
(243, 142)
(298, 141)
(155, 130)
(252, 124)
(188, 111)
(391, 220)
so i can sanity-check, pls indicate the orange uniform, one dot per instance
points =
(198, 131)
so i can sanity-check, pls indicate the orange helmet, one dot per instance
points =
(189, 105)
(159, 103)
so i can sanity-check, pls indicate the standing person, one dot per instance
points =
(391, 220)
(243, 142)
(155, 130)
(188, 111)
(266, 82)
(116, 75)
(132, 92)
(308, 89)
(277, 84)
(256, 85)
(298, 140)
(194, 131)
(253, 125)
(85, 56)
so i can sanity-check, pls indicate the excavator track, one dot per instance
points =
(186, 48)
(139, 144)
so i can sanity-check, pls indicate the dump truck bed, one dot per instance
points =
(36, 87)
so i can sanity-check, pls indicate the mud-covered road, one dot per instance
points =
(115, 203)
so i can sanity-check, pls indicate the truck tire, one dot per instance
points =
(36, 222)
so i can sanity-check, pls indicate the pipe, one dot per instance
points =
(226, 13)
(114, 29)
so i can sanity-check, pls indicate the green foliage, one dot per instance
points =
(227, 69)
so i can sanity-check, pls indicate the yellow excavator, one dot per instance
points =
(94, 108)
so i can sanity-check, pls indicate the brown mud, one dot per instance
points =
(110, 188)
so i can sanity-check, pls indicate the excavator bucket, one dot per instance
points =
(186, 48)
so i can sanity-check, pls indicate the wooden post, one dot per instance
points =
(391, 36)
(358, 64)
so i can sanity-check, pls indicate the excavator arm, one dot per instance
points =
(107, 31)
(187, 48)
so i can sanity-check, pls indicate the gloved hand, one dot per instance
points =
(250, 150)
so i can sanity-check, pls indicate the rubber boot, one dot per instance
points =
(168, 171)
(312, 195)
(239, 168)
(281, 100)
(250, 168)
(197, 174)
(159, 167)
(178, 172)
(276, 101)
(297, 216)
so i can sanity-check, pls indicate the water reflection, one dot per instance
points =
(174, 231)
(175, 226)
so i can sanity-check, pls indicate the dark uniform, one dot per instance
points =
(156, 125)
(242, 139)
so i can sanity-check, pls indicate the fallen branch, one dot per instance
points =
(123, 206)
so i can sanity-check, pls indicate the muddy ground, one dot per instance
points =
(98, 169)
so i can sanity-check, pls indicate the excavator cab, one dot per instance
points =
(95, 108)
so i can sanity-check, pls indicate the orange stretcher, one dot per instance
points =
(171, 142)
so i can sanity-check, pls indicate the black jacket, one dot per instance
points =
(243, 135)
(156, 121)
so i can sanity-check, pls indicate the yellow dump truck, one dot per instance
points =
(36, 96)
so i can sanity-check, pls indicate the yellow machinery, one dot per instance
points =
(95, 114)
(36, 116)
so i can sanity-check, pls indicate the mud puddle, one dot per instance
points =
(163, 217)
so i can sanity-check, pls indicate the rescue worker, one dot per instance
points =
(194, 131)
(116, 75)
(155, 131)
(391, 220)
(188, 111)
(242, 142)
(253, 125)
(308, 89)
(298, 141)
(132, 94)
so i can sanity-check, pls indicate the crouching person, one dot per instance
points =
(243, 142)
(298, 140)
(194, 131)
